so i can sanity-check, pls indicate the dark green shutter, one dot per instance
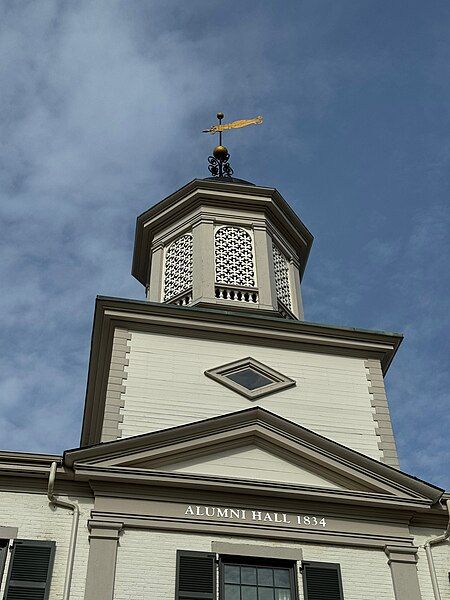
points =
(196, 575)
(30, 570)
(322, 581)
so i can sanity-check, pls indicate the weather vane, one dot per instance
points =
(218, 162)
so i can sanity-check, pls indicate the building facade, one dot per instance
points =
(230, 450)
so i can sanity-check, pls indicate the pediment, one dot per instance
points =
(251, 461)
(247, 449)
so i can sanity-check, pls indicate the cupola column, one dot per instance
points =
(154, 289)
(203, 261)
(264, 268)
(226, 244)
(296, 291)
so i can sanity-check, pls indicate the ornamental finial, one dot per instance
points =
(218, 162)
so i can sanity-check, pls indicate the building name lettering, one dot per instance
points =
(255, 516)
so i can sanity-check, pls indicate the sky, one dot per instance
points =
(101, 110)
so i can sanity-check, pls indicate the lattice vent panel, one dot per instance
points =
(234, 257)
(178, 267)
(281, 266)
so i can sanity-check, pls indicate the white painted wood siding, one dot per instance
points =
(251, 462)
(166, 386)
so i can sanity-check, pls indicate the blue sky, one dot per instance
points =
(102, 104)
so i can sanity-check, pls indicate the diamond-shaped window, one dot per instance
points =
(250, 378)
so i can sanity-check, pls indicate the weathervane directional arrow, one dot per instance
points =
(218, 162)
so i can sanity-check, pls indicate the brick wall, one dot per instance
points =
(146, 565)
(441, 556)
(36, 520)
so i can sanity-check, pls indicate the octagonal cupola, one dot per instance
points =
(225, 243)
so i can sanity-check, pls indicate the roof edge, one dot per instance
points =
(257, 414)
(139, 262)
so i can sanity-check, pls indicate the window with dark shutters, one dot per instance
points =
(322, 581)
(196, 575)
(30, 570)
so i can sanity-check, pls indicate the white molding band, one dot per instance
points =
(8, 533)
(257, 551)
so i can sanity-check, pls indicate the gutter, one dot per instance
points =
(427, 547)
(73, 506)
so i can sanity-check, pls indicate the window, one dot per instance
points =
(178, 267)
(256, 579)
(250, 378)
(251, 578)
(234, 257)
(322, 581)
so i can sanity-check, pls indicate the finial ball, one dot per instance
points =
(221, 153)
(220, 115)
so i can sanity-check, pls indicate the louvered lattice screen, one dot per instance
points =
(196, 578)
(30, 570)
(322, 582)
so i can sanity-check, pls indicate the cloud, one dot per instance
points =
(102, 108)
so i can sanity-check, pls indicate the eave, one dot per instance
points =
(200, 191)
(243, 487)
(27, 464)
(121, 460)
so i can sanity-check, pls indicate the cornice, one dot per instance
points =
(124, 456)
(222, 485)
(201, 191)
(27, 463)
(250, 323)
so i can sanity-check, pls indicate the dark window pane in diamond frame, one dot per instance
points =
(249, 378)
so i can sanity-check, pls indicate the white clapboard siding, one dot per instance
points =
(251, 462)
(166, 386)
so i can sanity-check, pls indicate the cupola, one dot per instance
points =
(225, 243)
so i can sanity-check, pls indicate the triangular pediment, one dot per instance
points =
(253, 462)
(245, 450)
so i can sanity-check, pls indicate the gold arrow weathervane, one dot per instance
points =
(218, 163)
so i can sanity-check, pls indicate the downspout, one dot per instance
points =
(73, 534)
(427, 547)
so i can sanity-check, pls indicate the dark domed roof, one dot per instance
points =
(228, 180)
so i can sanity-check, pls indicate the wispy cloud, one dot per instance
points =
(101, 112)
